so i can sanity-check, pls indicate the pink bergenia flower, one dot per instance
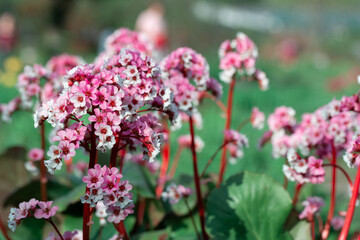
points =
(36, 154)
(235, 143)
(174, 193)
(257, 118)
(316, 170)
(45, 211)
(283, 117)
(337, 222)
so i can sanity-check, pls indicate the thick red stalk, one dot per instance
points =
(121, 160)
(165, 155)
(312, 222)
(197, 182)
(114, 154)
(4, 230)
(122, 230)
(297, 193)
(92, 162)
(140, 211)
(326, 231)
(351, 208)
(43, 178)
(227, 126)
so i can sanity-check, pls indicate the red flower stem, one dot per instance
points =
(227, 126)
(165, 155)
(92, 162)
(197, 182)
(342, 170)
(43, 178)
(121, 230)
(351, 207)
(114, 153)
(56, 229)
(312, 223)
(243, 123)
(212, 158)
(121, 160)
(297, 193)
(175, 162)
(326, 231)
(4, 230)
(320, 222)
(141, 211)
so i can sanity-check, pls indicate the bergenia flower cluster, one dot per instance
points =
(32, 208)
(327, 128)
(304, 170)
(111, 105)
(235, 143)
(186, 72)
(123, 38)
(184, 141)
(40, 83)
(239, 56)
(174, 193)
(105, 184)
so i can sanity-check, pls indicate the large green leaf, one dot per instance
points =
(248, 206)
(70, 197)
(142, 180)
(301, 231)
(32, 190)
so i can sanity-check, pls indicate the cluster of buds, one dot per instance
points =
(239, 56)
(32, 208)
(123, 38)
(113, 101)
(174, 193)
(304, 170)
(105, 184)
(311, 205)
(235, 143)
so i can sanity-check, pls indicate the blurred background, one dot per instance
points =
(309, 50)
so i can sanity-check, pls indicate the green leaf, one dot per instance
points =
(70, 197)
(301, 231)
(141, 179)
(160, 234)
(32, 190)
(248, 206)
